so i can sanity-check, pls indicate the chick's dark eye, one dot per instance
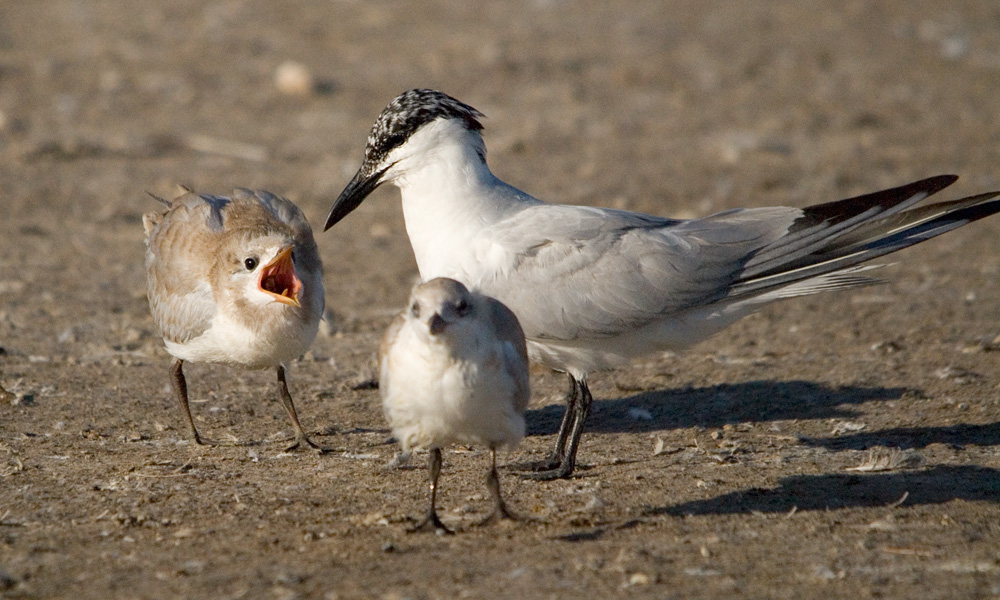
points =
(415, 309)
(250, 263)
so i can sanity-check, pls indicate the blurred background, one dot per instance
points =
(674, 108)
(678, 109)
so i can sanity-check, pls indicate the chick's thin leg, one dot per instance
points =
(431, 520)
(179, 383)
(500, 510)
(301, 439)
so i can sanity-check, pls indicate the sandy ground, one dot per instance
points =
(722, 472)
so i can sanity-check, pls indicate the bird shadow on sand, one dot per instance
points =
(959, 436)
(935, 485)
(715, 406)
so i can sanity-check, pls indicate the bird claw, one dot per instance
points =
(547, 464)
(562, 471)
(304, 443)
(210, 442)
(431, 522)
(500, 513)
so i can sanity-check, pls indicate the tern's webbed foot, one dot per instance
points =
(430, 522)
(304, 443)
(561, 471)
(553, 461)
(201, 441)
(500, 513)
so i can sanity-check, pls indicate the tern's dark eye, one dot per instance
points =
(250, 263)
(462, 308)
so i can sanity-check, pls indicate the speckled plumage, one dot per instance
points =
(209, 306)
(408, 112)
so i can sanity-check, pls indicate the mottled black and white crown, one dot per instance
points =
(407, 113)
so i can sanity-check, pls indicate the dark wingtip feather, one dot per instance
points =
(987, 204)
(873, 239)
(839, 210)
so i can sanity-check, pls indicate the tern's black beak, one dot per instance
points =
(353, 195)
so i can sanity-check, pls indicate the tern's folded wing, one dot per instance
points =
(577, 272)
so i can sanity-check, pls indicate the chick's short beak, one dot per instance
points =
(436, 324)
(278, 278)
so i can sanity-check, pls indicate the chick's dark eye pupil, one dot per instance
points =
(250, 263)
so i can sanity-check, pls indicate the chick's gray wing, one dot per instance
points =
(571, 272)
(178, 261)
(385, 385)
(508, 332)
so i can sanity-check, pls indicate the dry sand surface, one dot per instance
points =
(837, 446)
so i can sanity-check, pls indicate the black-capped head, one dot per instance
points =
(407, 114)
(410, 111)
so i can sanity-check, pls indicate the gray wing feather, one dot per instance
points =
(605, 272)
(889, 231)
(824, 227)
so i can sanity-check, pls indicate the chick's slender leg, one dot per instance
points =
(301, 439)
(431, 520)
(179, 383)
(500, 510)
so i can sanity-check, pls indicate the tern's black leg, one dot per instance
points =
(556, 458)
(431, 520)
(582, 412)
(180, 389)
(301, 439)
(572, 405)
(500, 510)
(568, 464)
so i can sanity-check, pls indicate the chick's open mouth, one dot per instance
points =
(278, 279)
